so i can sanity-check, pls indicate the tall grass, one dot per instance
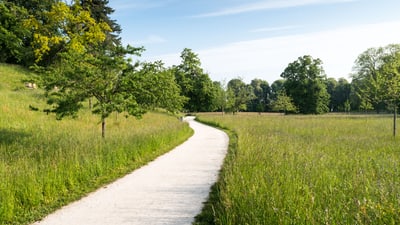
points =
(308, 170)
(45, 163)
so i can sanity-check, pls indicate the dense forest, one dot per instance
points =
(78, 56)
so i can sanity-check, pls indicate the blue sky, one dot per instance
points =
(255, 38)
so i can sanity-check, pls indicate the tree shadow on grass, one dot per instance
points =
(10, 136)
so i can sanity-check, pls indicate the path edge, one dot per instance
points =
(213, 204)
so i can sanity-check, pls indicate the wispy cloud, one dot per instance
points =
(271, 29)
(267, 58)
(151, 39)
(123, 5)
(268, 5)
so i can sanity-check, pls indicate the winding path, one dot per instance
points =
(169, 190)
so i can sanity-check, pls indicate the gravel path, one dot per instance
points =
(169, 190)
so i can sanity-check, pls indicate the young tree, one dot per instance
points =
(283, 103)
(305, 84)
(79, 76)
(220, 100)
(84, 68)
(390, 71)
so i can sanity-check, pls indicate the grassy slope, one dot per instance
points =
(308, 170)
(45, 163)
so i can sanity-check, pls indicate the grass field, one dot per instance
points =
(45, 163)
(332, 169)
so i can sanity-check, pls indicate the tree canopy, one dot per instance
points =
(305, 84)
(240, 93)
(195, 84)
(78, 54)
(13, 33)
(371, 79)
(261, 98)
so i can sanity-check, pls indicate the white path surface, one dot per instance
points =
(169, 190)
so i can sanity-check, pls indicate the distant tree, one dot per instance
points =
(368, 82)
(262, 92)
(331, 85)
(390, 71)
(305, 84)
(341, 95)
(339, 91)
(276, 87)
(283, 103)
(377, 76)
(239, 94)
(194, 83)
(154, 86)
(221, 96)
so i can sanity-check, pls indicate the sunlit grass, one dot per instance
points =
(45, 163)
(309, 170)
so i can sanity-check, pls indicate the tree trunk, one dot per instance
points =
(103, 127)
(90, 104)
(394, 119)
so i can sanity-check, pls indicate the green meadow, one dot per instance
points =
(46, 163)
(331, 169)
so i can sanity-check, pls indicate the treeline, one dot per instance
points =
(77, 53)
(304, 87)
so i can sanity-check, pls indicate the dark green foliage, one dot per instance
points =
(13, 33)
(374, 83)
(305, 84)
(262, 92)
(195, 84)
(366, 80)
(339, 91)
(101, 12)
(36, 6)
(221, 99)
(154, 86)
(116, 85)
(36, 9)
(283, 103)
(276, 88)
(239, 94)
(78, 77)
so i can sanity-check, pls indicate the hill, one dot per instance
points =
(46, 163)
